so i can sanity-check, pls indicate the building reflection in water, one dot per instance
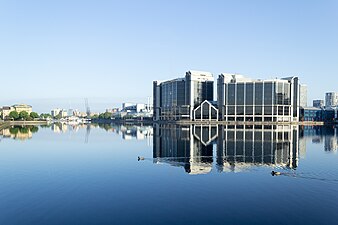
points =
(235, 147)
(241, 146)
(321, 134)
(187, 146)
(19, 132)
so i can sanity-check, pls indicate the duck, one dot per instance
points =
(140, 158)
(275, 173)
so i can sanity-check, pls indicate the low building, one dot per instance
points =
(311, 114)
(5, 111)
(112, 110)
(22, 107)
(318, 103)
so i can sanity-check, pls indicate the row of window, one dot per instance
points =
(255, 93)
(257, 110)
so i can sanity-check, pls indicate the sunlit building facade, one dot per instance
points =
(331, 99)
(176, 99)
(245, 99)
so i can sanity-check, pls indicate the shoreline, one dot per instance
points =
(182, 122)
(310, 123)
(6, 124)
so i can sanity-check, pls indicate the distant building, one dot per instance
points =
(22, 107)
(61, 112)
(134, 108)
(303, 95)
(311, 114)
(331, 99)
(17, 107)
(244, 99)
(79, 114)
(113, 110)
(5, 111)
(318, 103)
(71, 112)
(55, 112)
(178, 98)
(64, 113)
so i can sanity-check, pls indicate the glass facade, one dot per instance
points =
(176, 99)
(258, 100)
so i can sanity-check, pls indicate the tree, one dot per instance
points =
(34, 115)
(106, 115)
(45, 115)
(94, 116)
(23, 115)
(14, 115)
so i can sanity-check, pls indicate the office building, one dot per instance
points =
(318, 103)
(245, 99)
(55, 112)
(178, 98)
(331, 99)
(303, 95)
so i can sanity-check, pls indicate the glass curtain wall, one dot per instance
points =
(256, 101)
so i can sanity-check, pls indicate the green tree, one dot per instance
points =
(14, 115)
(106, 115)
(58, 117)
(23, 115)
(45, 115)
(34, 115)
(94, 116)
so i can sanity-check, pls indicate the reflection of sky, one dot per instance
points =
(57, 178)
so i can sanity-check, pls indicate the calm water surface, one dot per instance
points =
(90, 174)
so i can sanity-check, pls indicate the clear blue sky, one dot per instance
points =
(55, 53)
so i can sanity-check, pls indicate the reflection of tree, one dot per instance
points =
(46, 125)
(14, 130)
(105, 126)
(24, 130)
(34, 129)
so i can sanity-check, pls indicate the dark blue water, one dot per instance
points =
(189, 175)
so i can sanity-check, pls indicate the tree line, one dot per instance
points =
(23, 115)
